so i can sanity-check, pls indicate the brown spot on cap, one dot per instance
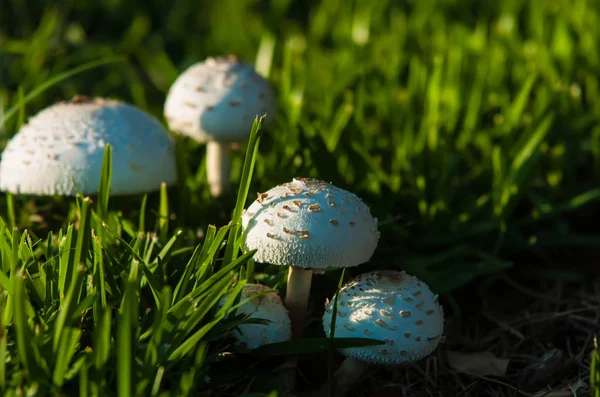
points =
(262, 197)
(334, 222)
(314, 208)
(81, 99)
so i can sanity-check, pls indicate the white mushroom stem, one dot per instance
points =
(296, 301)
(218, 167)
(296, 297)
(349, 372)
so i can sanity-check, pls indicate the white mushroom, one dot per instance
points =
(264, 304)
(390, 306)
(62, 147)
(308, 224)
(216, 101)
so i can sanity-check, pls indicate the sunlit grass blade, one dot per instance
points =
(67, 348)
(65, 268)
(190, 379)
(102, 340)
(249, 161)
(595, 370)
(3, 342)
(23, 334)
(194, 339)
(68, 305)
(163, 213)
(151, 356)
(55, 80)
(142, 217)
(104, 186)
(126, 325)
(10, 210)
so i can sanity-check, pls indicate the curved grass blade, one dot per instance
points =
(55, 80)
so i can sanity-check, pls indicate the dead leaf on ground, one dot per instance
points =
(478, 363)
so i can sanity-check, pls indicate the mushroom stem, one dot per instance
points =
(218, 167)
(345, 377)
(296, 301)
(296, 297)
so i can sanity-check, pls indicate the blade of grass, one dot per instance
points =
(163, 214)
(126, 323)
(233, 244)
(104, 186)
(55, 80)
(10, 210)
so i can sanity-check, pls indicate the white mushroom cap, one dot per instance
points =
(391, 306)
(66, 142)
(310, 224)
(218, 100)
(266, 306)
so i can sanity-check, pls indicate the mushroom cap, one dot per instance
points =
(391, 306)
(218, 100)
(309, 223)
(267, 306)
(62, 148)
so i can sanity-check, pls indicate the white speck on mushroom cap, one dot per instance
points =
(66, 142)
(218, 100)
(266, 306)
(309, 223)
(387, 305)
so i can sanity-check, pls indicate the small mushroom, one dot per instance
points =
(264, 303)
(308, 225)
(61, 150)
(375, 305)
(216, 101)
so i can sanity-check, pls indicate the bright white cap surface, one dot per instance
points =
(312, 224)
(66, 142)
(218, 100)
(391, 306)
(265, 305)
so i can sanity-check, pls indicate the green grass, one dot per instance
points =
(471, 129)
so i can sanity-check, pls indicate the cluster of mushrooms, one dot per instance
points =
(306, 224)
